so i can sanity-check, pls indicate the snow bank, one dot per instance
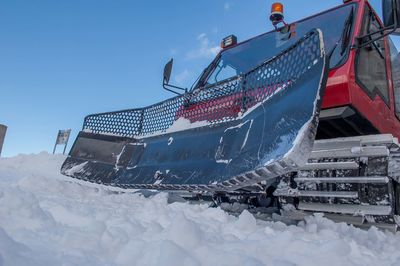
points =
(47, 219)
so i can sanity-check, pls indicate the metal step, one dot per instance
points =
(346, 208)
(350, 179)
(322, 194)
(354, 152)
(348, 142)
(331, 166)
(357, 221)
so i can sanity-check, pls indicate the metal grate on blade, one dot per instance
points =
(218, 103)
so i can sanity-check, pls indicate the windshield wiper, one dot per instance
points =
(345, 36)
(202, 78)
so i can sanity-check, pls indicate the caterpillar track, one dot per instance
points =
(355, 180)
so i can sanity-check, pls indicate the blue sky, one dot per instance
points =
(63, 59)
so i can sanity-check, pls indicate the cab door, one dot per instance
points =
(395, 78)
(372, 96)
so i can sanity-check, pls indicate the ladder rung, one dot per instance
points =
(358, 179)
(346, 208)
(323, 194)
(372, 151)
(331, 166)
(372, 140)
(339, 218)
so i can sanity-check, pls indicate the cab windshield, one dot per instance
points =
(336, 26)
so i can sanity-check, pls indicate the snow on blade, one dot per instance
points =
(79, 168)
(185, 124)
(49, 219)
(180, 124)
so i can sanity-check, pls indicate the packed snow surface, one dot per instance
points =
(49, 219)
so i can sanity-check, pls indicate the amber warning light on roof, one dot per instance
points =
(229, 41)
(276, 13)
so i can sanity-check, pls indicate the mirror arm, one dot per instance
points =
(391, 29)
(167, 87)
(362, 44)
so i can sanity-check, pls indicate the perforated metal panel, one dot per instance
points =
(218, 103)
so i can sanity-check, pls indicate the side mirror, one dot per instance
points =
(166, 78)
(167, 71)
(391, 15)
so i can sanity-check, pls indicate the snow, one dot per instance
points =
(49, 219)
(180, 124)
(184, 124)
(356, 150)
(77, 168)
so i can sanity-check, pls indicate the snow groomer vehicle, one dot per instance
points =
(300, 120)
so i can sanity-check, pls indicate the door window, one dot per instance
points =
(395, 60)
(371, 65)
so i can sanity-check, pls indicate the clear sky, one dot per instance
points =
(61, 60)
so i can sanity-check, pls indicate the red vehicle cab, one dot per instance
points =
(362, 96)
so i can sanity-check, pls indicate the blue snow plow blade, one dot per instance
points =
(223, 137)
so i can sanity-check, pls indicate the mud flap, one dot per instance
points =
(272, 135)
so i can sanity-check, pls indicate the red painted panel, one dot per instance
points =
(337, 88)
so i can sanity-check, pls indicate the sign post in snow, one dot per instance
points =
(62, 139)
(3, 130)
